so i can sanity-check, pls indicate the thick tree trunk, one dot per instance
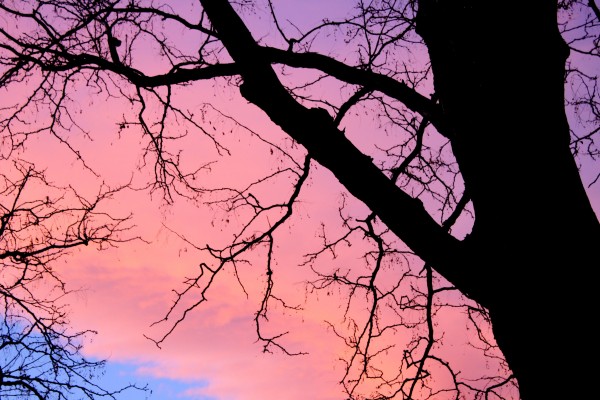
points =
(499, 75)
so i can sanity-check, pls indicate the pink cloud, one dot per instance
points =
(217, 343)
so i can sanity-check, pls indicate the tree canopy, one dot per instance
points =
(464, 137)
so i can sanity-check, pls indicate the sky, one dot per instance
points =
(123, 291)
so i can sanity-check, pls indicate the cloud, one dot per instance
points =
(214, 350)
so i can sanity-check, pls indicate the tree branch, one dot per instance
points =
(316, 131)
(369, 80)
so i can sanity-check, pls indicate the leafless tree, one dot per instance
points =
(40, 356)
(469, 103)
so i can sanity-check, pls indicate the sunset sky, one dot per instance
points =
(214, 354)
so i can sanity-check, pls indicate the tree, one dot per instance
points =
(482, 133)
(40, 357)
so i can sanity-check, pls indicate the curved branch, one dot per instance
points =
(368, 79)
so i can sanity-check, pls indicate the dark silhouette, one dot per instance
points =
(40, 357)
(498, 76)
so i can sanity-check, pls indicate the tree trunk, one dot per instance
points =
(499, 76)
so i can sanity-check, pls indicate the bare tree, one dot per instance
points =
(470, 123)
(40, 356)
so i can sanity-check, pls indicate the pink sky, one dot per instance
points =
(214, 352)
(128, 288)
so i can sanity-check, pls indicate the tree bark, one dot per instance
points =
(499, 76)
